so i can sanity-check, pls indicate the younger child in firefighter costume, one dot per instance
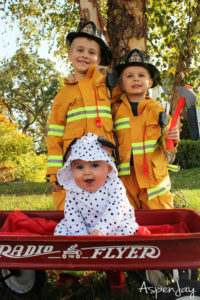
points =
(140, 125)
(83, 105)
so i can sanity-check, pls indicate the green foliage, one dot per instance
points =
(43, 20)
(103, 4)
(16, 149)
(186, 132)
(188, 155)
(173, 30)
(28, 86)
(13, 143)
(30, 167)
(6, 173)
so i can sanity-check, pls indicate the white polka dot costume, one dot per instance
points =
(107, 210)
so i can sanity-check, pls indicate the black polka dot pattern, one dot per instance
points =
(107, 210)
(112, 216)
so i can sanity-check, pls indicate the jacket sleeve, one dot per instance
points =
(114, 108)
(56, 131)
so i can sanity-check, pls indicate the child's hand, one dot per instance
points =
(173, 134)
(96, 232)
(57, 187)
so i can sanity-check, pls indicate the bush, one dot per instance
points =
(13, 143)
(188, 154)
(18, 161)
(30, 167)
(186, 132)
(6, 173)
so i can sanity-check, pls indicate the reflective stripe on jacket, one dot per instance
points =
(138, 135)
(74, 113)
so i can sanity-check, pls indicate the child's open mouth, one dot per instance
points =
(135, 86)
(89, 180)
(83, 62)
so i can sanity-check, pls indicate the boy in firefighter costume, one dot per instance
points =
(140, 125)
(83, 105)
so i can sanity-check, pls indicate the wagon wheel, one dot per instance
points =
(191, 274)
(183, 290)
(23, 281)
(161, 277)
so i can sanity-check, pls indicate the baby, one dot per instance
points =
(96, 201)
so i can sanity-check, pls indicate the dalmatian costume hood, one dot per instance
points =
(108, 209)
(88, 149)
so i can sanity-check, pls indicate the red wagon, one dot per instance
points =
(156, 251)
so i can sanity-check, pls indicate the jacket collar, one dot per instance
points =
(93, 74)
(141, 105)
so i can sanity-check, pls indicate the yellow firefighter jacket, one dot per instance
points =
(139, 136)
(74, 113)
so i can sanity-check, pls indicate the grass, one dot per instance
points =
(27, 188)
(26, 196)
(37, 196)
(186, 186)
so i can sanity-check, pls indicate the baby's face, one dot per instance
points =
(90, 176)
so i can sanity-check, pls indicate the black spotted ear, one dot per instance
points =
(68, 151)
(105, 142)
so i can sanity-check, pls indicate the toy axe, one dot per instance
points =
(186, 96)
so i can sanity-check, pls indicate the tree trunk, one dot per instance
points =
(90, 11)
(126, 27)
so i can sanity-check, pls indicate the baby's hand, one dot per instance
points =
(57, 187)
(173, 134)
(96, 232)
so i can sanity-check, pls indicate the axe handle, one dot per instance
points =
(181, 102)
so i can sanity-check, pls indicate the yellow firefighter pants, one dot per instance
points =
(138, 196)
(59, 199)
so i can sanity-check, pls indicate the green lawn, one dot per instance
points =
(26, 196)
(37, 195)
(186, 185)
